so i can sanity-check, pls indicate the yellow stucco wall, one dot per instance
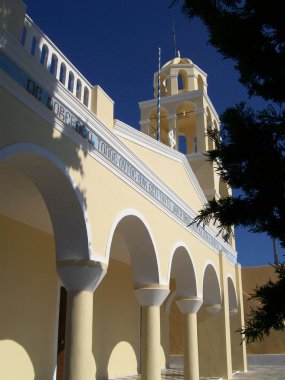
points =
(102, 106)
(28, 318)
(28, 299)
(176, 335)
(106, 197)
(252, 277)
(94, 179)
(116, 326)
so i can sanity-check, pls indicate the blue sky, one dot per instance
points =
(115, 44)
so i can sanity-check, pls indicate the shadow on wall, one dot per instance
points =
(43, 138)
(116, 323)
(28, 299)
(22, 124)
(33, 142)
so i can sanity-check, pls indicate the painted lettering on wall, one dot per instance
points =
(106, 151)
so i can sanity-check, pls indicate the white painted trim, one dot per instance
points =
(22, 148)
(132, 212)
(195, 94)
(228, 275)
(177, 245)
(206, 264)
(105, 93)
(96, 125)
(184, 96)
(212, 108)
(126, 131)
(56, 49)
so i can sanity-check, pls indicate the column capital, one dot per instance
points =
(81, 275)
(189, 305)
(214, 308)
(151, 295)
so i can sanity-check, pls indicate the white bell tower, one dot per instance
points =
(185, 114)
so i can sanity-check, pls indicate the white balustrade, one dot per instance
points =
(55, 57)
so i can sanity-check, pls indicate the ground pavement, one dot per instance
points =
(254, 373)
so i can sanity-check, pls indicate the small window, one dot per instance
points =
(24, 36)
(70, 81)
(53, 65)
(44, 55)
(62, 74)
(86, 97)
(78, 89)
(34, 46)
(182, 81)
(182, 144)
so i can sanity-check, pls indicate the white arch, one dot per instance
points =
(177, 245)
(13, 150)
(123, 214)
(233, 300)
(175, 248)
(215, 296)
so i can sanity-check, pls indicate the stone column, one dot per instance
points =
(80, 278)
(225, 337)
(239, 351)
(172, 84)
(192, 82)
(150, 298)
(189, 308)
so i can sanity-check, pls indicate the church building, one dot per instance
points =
(103, 273)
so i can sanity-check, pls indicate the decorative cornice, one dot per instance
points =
(191, 95)
(107, 138)
(171, 98)
(212, 108)
(126, 131)
(122, 129)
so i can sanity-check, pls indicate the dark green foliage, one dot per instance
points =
(252, 33)
(269, 312)
(250, 156)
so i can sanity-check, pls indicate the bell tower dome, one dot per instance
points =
(186, 112)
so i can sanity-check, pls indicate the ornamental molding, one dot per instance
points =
(172, 98)
(134, 172)
(191, 96)
(124, 130)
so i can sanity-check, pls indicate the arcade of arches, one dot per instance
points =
(101, 275)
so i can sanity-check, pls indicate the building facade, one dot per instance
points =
(97, 244)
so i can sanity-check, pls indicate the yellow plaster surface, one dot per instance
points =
(28, 298)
